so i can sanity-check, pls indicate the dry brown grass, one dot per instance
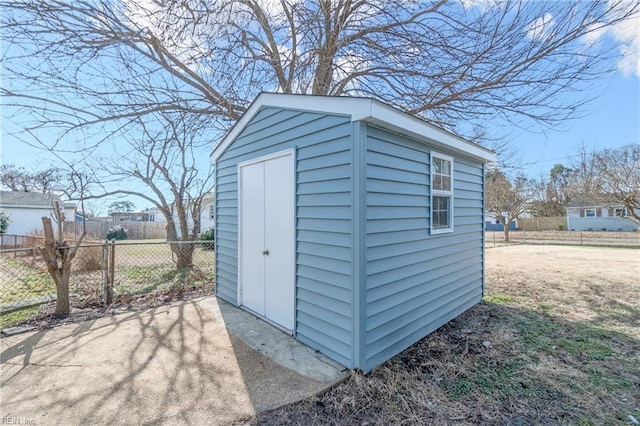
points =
(556, 341)
(89, 259)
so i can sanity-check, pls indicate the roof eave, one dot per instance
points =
(359, 109)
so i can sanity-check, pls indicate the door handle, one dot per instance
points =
(265, 252)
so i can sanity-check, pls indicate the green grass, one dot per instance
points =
(7, 320)
(139, 269)
(536, 333)
(144, 279)
(539, 332)
(600, 380)
(22, 282)
(496, 380)
(498, 298)
(585, 342)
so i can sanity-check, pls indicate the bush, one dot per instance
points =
(208, 235)
(4, 221)
(89, 259)
(560, 227)
(117, 233)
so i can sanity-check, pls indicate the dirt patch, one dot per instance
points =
(556, 341)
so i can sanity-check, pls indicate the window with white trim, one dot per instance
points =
(589, 212)
(441, 193)
(620, 212)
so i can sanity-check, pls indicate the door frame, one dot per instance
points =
(284, 153)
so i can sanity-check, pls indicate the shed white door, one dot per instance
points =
(267, 253)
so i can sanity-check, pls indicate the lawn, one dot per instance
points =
(555, 341)
(142, 269)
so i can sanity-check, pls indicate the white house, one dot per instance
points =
(593, 216)
(26, 210)
(207, 213)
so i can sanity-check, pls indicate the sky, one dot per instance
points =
(611, 120)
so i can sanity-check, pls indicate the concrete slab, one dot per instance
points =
(196, 362)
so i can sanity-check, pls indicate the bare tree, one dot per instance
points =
(585, 180)
(451, 62)
(162, 165)
(550, 196)
(136, 76)
(505, 200)
(619, 176)
(44, 181)
(57, 255)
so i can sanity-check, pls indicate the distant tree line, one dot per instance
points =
(19, 179)
(610, 176)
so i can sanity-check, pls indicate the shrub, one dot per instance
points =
(117, 233)
(208, 235)
(560, 227)
(89, 259)
(4, 221)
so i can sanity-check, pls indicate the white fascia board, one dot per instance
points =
(403, 123)
(359, 109)
(356, 108)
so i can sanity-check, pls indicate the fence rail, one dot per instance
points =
(10, 241)
(136, 230)
(123, 270)
(594, 238)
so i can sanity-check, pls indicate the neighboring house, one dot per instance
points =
(131, 217)
(348, 223)
(154, 214)
(592, 216)
(493, 224)
(207, 214)
(26, 210)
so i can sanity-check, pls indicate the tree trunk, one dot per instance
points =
(62, 293)
(183, 255)
(506, 233)
(57, 256)
(182, 252)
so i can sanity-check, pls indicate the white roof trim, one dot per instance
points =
(359, 109)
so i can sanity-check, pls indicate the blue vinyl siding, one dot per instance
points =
(370, 279)
(324, 291)
(416, 282)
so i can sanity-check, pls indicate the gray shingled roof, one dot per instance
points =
(15, 198)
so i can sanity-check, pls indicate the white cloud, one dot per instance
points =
(626, 34)
(541, 27)
(594, 34)
(483, 5)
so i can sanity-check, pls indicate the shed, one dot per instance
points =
(353, 226)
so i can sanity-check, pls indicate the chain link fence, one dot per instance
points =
(103, 274)
(584, 238)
